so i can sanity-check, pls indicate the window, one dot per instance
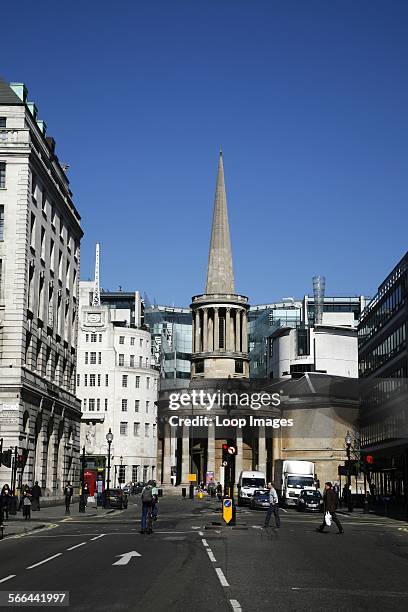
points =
(121, 359)
(91, 405)
(99, 380)
(51, 255)
(78, 379)
(106, 380)
(121, 339)
(141, 342)
(124, 380)
(98, 404)
(84, 405)
(146, 430)
(52, 208)
(148, 382)
(2, 122)
(123, 428)
(85, 380)
(2, 175)
(132, 342)
(100, 337)
(136, 429)
(137, 405)
(99, 358)
(124, 405)
(147, 406)
(60, 265)
(86, 358)
(44, 201)
(137, 383)
(92, 380)
(303, 341)
(1, 222)
(135, 472)
(93, 337)
(86, 337)
(239, 366)
(106, 404)
(140, 362)
(33, 186)
(32, 231)
(92, 358)
(132, 361)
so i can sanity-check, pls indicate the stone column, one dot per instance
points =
(205, 329)
(211, 449)
(261, 449)
(216, 330)
(244, 332)
(185, 455)
(227, 330)
(276, 453)
(167, 455)
(238, 331)
(197, 347)
(239, 459)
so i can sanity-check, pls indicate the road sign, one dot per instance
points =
(227, 509)
(126, 557)
(192, 478)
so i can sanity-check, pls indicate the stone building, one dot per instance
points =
(39, 262)
(117, 384)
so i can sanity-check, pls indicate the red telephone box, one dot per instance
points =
(90, 479)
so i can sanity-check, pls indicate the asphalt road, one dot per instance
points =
(190, 563)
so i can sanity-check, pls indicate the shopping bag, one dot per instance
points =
(328, 519)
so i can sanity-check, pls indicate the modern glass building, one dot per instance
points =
(265, 319)
(171, 331)
(383, 362)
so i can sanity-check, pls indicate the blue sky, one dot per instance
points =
(307, 99)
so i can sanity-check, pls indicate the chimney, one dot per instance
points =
(33, 109)
(42, 126)
(20, 90)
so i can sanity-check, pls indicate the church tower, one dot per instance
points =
(220, 336)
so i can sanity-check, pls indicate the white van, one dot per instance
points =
(248, 483)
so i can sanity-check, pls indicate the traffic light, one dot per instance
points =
(369, 459)
(6, 458)
(229, 451)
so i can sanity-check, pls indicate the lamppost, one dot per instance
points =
(120, 470)
(82, 504)
(348, 441)
(109, 438)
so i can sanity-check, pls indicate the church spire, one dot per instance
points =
(220, 275)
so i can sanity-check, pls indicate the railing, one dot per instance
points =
(14, 136)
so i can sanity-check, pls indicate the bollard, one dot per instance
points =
(184, 492)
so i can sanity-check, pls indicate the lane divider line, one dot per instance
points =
(205, 543)
(200, 533)
(77, 546)
(99, 536)
(44, 561)
(8, 577)
(211, 555)
(236, 606)
(221, 577)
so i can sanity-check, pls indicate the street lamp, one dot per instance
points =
(348, 441)
(82, 501)
(109, 438)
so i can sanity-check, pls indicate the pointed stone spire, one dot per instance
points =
(220, 275)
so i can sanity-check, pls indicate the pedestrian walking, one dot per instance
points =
(68, 493)
(27, 505)
(330, 505)
(273, 506)
(147, 507)
(35, 495)
(5, 499)
(219, 491)
(155, 505)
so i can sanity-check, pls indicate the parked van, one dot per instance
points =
(248, 483)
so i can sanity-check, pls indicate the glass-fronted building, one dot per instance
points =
(383, 362)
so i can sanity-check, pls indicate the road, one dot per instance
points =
(189, 563)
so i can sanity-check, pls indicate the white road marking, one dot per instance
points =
(211, 555)
(195, 528)
(99, 536)
(8, 577)
(44, 561)
(126, 557)
(283, 510)
(221, 577)
(256, 526)
(200, 533)
(235, 605)
(77, 546)
(205, 543)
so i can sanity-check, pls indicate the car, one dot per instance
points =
(311, 501)
(260, 500)
(116, 498)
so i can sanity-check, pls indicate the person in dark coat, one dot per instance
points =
(35, 496)
(68, 493)
(330, 505)
(5, 501)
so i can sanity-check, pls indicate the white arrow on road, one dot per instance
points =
(126, 557)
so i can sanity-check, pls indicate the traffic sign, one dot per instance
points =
(192, 478)
(227, 509)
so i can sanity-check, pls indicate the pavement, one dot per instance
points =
(194, 562)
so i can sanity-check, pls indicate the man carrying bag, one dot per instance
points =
(329, 508)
